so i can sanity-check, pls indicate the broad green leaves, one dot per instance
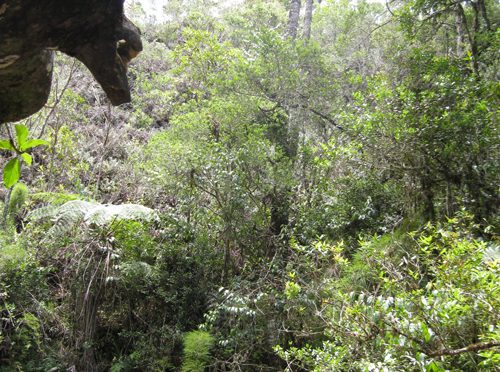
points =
(6, 145)
(12, 170)
(21, 134)
(33, 143)
(28, 159)
(23, 142)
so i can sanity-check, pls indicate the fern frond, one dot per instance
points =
(77, 209)
(65, 217)
(43, 213)
(105, 214)
(491, 254)
(56, 198)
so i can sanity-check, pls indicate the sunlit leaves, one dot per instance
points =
(11, 172)
(33, 143)
(28, 159)
(6, 145)
(21, 134)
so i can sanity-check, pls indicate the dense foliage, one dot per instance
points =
(283, 193)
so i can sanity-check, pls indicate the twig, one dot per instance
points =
(325, 117)
(58, 99)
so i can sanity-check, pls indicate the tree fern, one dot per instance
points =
(197, 345)
(68, 215)
(17, 199)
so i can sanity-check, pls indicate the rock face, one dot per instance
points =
(96, 32)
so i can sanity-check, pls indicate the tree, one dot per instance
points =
(308, 19)
(293, 18)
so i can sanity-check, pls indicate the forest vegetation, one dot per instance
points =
(295, 186)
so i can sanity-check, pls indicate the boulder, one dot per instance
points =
(96, 32)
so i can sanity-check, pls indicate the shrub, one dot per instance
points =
(429, 305)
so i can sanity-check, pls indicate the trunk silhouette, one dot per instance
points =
(308, 19)
(293, 18)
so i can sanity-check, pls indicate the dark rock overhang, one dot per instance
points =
(96, 32)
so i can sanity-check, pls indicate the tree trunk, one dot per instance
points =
(482, 9)
(460, 28)
(471, 36)
(426, 185)
(293, 18)
(308, 19)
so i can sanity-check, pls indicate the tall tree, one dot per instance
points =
(460, 29)
(293, 18)
(308, 19)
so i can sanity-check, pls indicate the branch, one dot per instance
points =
(58, 98)
(380, 26)
(438, 12)
(467, 349)
(325, 117)
(389, 9)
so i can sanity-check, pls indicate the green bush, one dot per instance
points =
(25, 311)
(416, 300)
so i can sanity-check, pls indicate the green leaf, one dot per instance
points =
(6, 145)
(11, 172)
(21, 134)
(433, 367)
(426, 333)
(28, 159)
(34, 143)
